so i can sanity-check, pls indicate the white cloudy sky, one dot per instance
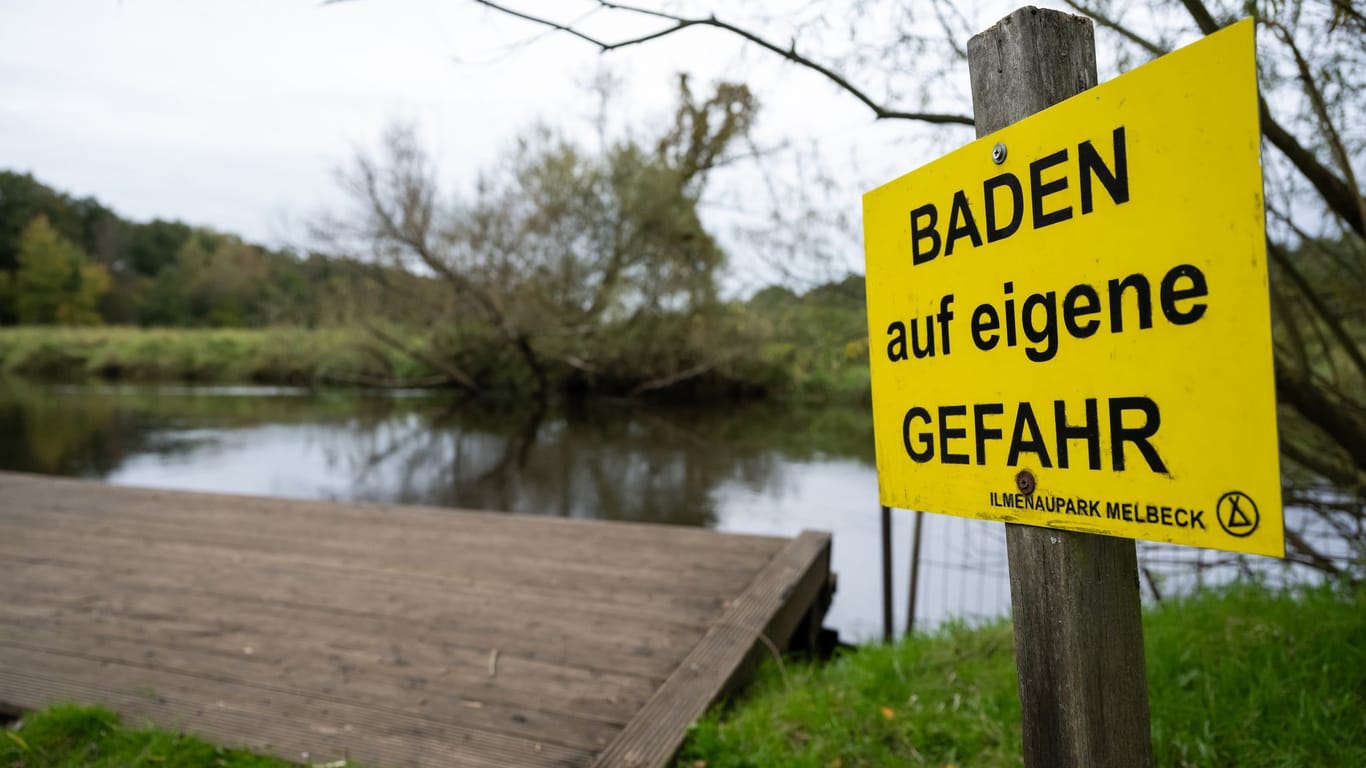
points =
(235, 114)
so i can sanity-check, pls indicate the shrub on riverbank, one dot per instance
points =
(1241, 676)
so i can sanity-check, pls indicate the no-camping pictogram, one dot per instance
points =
(1237, 514)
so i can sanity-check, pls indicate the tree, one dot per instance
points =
(557, 251)
(1312, 61)
(152, 247)
(215, 280)
(23, 199)
(167, 272)
(54, 282)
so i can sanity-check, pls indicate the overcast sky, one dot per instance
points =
(235, 114)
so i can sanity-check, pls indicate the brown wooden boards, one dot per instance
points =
(1074, 596)
(400, 636)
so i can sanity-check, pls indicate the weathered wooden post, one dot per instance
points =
(990, 272)
(1075, 596)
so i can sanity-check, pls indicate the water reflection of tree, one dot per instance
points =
(46, 432)
(621, 460)
(614, 460)
(92, 431)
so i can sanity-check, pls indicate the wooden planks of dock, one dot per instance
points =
(397, 636)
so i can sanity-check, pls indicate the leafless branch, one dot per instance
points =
(1293, 387)
(1348, 263)
(1315, 299)
(1334, 191)
(1301, 551)
(1203, 18)
(1156, 49)
(1318, 463)
(453, 374)
(1320, 107)
(566, 28)
(941, 9)
(665, 382)
(1339, 196)
(680, 23)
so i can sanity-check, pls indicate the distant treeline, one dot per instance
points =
(68, 261)
(73, 261)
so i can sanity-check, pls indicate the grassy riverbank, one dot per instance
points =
(1237, 677)
(804, 357)
(266, 356)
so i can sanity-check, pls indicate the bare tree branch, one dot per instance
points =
(558, 27)
(1307, 554)
(1156, 49)
(679, 376)
(1320, 107)
(1345, 12)
(1315, 462)
(952, 36)
(451, 373)
(1339, 196)
(1341, 424)
(1330, 318)
(1203, 18)
(679, 23)
(1334, 191)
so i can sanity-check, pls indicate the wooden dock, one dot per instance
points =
(397, 636)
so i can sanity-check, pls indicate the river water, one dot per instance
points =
(758, 468)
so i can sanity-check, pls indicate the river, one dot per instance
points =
(758, 468)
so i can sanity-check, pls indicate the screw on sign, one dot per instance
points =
(1238, 514)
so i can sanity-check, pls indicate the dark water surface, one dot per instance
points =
(748, 469)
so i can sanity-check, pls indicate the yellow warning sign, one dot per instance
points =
(1069, 321)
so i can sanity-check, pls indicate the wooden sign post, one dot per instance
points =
(1075, 599)
(1069, 332)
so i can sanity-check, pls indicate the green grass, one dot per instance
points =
(825, 367)
(279, 355)
(1239, 677)
(69, 736)
(1249, 678)
(811, 347)
(935, 699)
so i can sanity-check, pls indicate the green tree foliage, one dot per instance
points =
(589, 269)
(153, 246)
(55, 282)
(22, 199)
(168, 273)
(215, 280)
